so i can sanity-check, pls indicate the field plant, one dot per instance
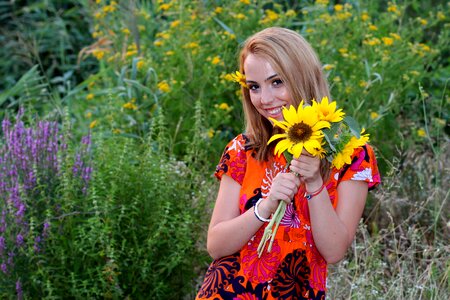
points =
(115, 113)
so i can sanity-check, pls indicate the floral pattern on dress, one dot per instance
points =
(259, 269)
(290, 218)
(291, 280)
(294, 269)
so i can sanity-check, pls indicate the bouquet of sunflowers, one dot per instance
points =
(323, 131)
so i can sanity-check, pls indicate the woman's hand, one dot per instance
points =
(308, 167)
(284, 187)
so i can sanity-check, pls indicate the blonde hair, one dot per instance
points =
(298, 66)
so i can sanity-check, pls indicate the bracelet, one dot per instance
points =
(257, 213)
(308, 195)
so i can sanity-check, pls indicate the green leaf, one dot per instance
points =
(353, 125)
(329, 137)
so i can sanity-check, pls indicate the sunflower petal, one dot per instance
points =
(282, 146)
(296, 149)
(276, 137)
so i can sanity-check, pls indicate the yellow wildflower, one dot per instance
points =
(164, 35)
(245, 1)
(126, 31)
(422, 21)
(421, 132)
(169, 53)
(141, 27)
(343, 50)
(372, 42)
(130, 105)
(163, 86)
(158, 43)
(211, 133)
(364, 16)
(90, 96)
(322, 2)
(392, 8)
(88, 115)
(218, 10)
(140, 64)
(310, 30)
(165, 6)
(216, 60)
(326, 18)
(240, 16)
(362, 83)
(228, 77)
(131, 53)
(230, 35)
(328, 67)
(387, 41)
(414, 73)
(338, 7)
(395, 36)
(191, 45)
(98, 54)
(224, 106)
(98, 1)
(175, 23)
(373, 115)
(290, 13)
(343, 15)
(270, 16)
(93, 124)
(337, 79)
(440, 16)
(373, 27)
(425, 47)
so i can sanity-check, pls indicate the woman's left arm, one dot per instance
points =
(333, 230)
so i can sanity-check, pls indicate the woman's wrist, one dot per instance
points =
(265, 208)
(314, 185)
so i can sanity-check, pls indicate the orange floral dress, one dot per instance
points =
(294, 269)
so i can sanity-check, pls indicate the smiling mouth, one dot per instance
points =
(274, 111)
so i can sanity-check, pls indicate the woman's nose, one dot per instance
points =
(266, 96)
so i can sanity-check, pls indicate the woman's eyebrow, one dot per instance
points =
(267, 79)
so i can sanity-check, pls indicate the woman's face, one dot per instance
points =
(268, 92)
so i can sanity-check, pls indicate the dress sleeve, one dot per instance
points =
(363, 167)
(234, 160)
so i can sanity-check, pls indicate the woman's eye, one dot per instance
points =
(277, 82)
(253, 87)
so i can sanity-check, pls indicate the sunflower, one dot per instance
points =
(327, 111)
(302, 129)
(345, 156)
(239, 78)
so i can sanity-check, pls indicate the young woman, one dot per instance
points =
(281, 69)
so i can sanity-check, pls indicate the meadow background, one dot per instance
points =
(114, 115)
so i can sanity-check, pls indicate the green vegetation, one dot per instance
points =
(139, 104)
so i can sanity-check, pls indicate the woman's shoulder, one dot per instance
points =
(238, 143)
(363, 167)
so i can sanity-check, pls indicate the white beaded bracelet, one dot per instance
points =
(257, 213)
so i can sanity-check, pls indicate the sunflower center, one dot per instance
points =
(299, 132)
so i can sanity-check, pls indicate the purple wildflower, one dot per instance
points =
(19, 290)
(2, 245)
(4, 268)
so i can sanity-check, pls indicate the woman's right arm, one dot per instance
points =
(228, 230)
